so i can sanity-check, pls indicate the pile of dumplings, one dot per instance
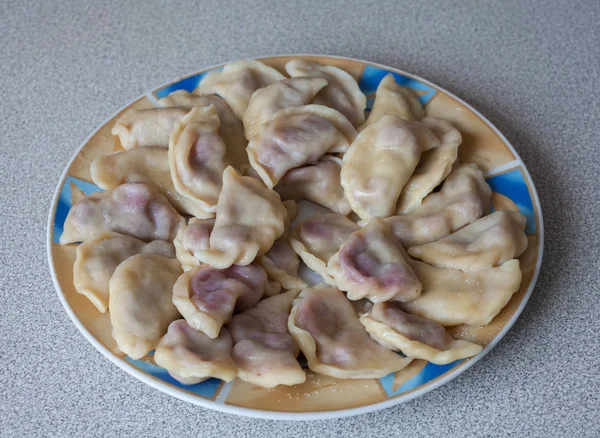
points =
(194, 249)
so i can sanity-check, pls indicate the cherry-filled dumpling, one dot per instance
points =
(148, 165)
(198, 157)
(135, 209)
(380, 162)
(140, 303)
(393, 100)
(195, 236)
(487, 242)
(98, 258)
(237, 81)
(287, 93)
(341, 93)
(264, 351)
(464, 198)
(451, 297)
(192, 357)
(318, 183)
(147, 127)
(250, 217)
(434, 165)
(294, 137)
(231, 129)
(414, 336)
(281, 264)
(372, 264)
(207, 297)
(334, 342)
(318, 238)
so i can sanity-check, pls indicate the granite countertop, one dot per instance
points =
(533, 68)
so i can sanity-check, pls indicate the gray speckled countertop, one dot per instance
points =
(532, 67)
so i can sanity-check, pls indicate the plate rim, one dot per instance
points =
(294, 416)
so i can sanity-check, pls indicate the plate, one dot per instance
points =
(319, 397)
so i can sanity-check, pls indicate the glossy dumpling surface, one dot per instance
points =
(264, 351)
(140, 302)
(135, 209)
(334, 342)
(195, 236)
(98, 258)
(372, 264)
(294, 137)
(250, 217)
(487, 242)
(341, 93)
(415, 336)
(147, 127)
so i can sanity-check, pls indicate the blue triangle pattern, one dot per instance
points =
(512, 184)
(430, 372)
(372, 76)
(187, 84)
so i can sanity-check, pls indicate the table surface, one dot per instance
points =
(532, 68)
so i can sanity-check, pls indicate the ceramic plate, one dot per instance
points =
(319, 397)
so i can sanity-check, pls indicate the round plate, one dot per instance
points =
(319, 397)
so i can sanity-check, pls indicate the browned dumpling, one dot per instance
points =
(137, 210)
(380, 162)
(414, 336)
(147, 127)
(341, 93)
(451, 297)
(318, 183)
(287, 93)
(207, 297)
(250, 217)
(464, 198)
(294, 137)
(334, 342)
(198, 157)
(192, 357)
(393, 100)
(98, 258)
(231, 129)
(318, 238)
(148, 165)
(487, 242)
(237, 81)
(372, 264)
(264, 351)
(140, 302)
(434, 165)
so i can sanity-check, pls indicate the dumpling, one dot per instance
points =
(140, 302)
(372, 264)
(198, 157)
(464, 198)
(137, 210)
(380, 162)
(147, 127)
(487, 242)
(264, 351)
(148, 165)
(281, 265)
(195, 236)
(288, 93)
(250, 217)
(231, 129)
(207, 297)
(295, 137)
(341, 93)
(318, 238)
(434, 165)
(192, 357)
(318, 183)
(237, 81)
(98, 258)
(334, 342)
(415, 336)
(393, 100)
(451, 297)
